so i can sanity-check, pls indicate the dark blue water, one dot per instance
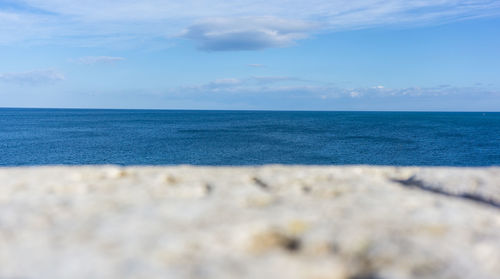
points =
(141, 137)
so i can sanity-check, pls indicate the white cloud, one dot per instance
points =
(263, 83)
(247, 33)
(15, 26)
(355, 94)
(218, 24)
(99, 60)
(338, 12)
(313, 90)
(35, 77)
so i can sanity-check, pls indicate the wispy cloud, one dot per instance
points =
(248, 84)
(267, 85)
(222, 25)
(244, 94)
(21, 7)
(36, 77)
(89, 60)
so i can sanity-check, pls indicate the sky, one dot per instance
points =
(419, 55)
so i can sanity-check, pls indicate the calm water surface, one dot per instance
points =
(142, 137)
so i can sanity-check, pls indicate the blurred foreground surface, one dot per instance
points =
(263, 222)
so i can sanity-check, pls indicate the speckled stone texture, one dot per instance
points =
(356, 222)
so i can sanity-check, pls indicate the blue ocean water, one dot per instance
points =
(155, 137)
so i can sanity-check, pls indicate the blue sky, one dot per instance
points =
(280, 55)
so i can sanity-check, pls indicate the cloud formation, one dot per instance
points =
(89, 60)
(249, 84)
(296, 86)
(36, 77)
(219, 25)
(242, 93)
(247, 33)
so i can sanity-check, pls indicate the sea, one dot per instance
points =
(32, 137)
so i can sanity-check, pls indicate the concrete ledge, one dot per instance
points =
(263, 222)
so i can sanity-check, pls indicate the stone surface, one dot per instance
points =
(355, 222)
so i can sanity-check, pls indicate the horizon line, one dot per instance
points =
(243, 110)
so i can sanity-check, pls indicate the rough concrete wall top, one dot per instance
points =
(263, 222)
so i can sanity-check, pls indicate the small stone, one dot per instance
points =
(170, 179)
